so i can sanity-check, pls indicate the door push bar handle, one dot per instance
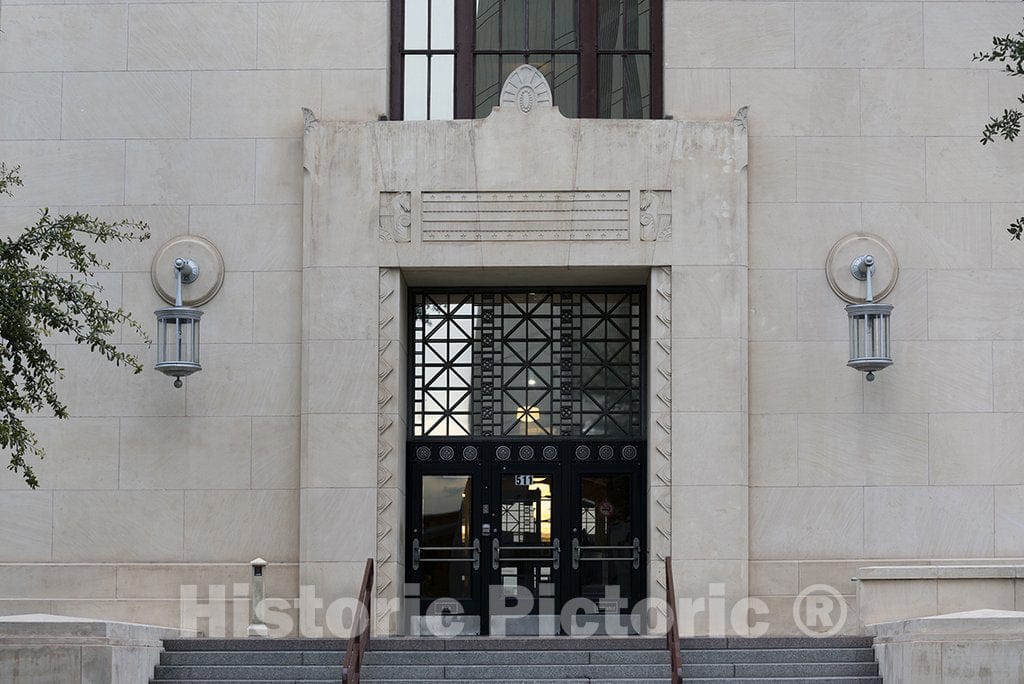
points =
(555, 558)
(577, 553)
(417, 557)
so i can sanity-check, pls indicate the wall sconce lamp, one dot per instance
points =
(177, 332)
(177, 329)
(870, 348)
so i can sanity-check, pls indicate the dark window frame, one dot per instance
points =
(635, 299)
(465, 43)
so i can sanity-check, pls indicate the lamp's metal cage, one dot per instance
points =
(869, 337)
(177, 341)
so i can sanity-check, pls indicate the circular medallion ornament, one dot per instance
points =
(629, 452)
(502, 453)
(470, 453)
(606, 452)
(550, 453)
(583, 452)
(423, 453)
(526, 453)
(446, 453)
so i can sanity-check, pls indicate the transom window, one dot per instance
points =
(526, 363)
(602, 58)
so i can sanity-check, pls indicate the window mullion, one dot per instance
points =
(397, 109)
(588, 59)
(465, 43)
(657, 33)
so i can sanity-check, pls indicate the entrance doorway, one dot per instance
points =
(526, 461)
(513, 544)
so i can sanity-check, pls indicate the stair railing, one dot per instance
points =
(672, 638)
(353, 662)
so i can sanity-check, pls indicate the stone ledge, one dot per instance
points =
(53, 629)
(925, 572)
(1001, 625)
(952, 648)
(56, 648)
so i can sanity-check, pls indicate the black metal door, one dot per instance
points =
(608, 545)
(444, 548)
(502, 535)
(526, 579)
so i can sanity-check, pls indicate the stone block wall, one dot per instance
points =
(864, 116)
(186, 116)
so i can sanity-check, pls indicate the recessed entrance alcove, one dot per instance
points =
(515, 330)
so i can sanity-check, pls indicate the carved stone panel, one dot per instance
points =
(389, 496)
(655, 215)
(571, 215)
(661, 413)
(395, 216)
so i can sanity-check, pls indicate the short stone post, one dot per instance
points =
(256, 627)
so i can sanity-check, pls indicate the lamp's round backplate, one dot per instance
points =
(202, 252)
(850, 247)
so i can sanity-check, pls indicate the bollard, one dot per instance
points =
(256, 627)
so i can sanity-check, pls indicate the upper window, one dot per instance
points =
(602, 58)
(527, 363)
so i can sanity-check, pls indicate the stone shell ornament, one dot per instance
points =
(526, 89)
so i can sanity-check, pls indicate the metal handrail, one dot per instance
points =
(673, 626)
(353, 662)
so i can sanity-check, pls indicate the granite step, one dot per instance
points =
(252, 657)
(488, 673)
(524, 660)
(779, 655)
(287, 644)
(516, 657)
(714, 643)
(485, 643)
(252, 672)
(786, 680)
(727, 670)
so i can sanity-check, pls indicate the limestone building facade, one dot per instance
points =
(765, 464)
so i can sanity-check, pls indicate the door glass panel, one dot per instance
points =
(606, 520)
(447, 523)
(527, 544)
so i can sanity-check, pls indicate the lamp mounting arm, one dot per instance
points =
(185, 271)
(861, 268)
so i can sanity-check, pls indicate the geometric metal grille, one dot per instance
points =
(555, 362)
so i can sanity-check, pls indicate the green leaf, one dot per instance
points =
(37, 302)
